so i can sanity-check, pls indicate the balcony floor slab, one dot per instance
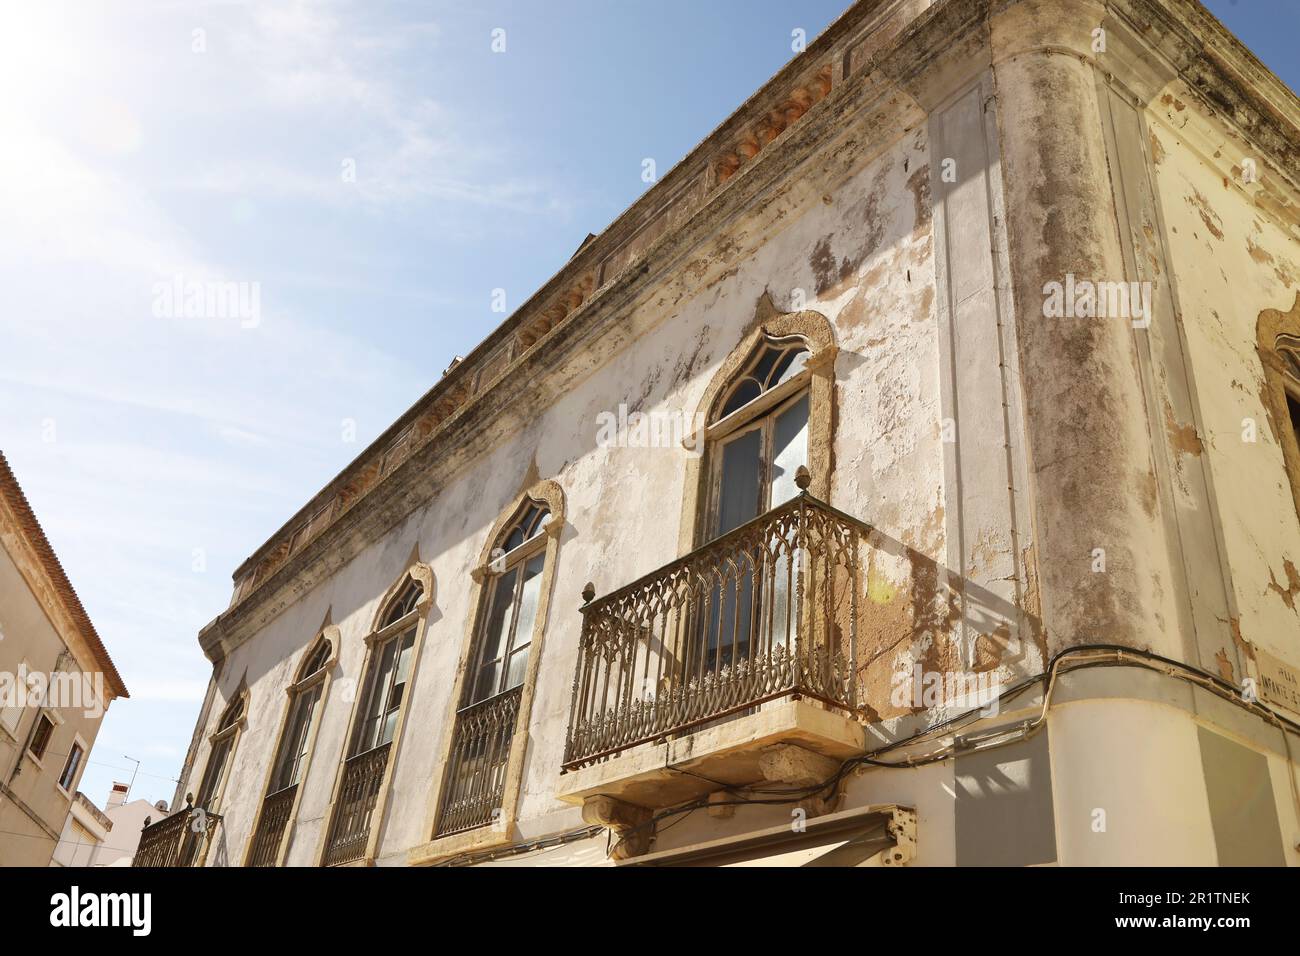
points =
(663, 774)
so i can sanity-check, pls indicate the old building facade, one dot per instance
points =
(56, 683)
(910, 476)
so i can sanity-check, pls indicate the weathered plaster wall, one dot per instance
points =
(1089, 450)
(861, 255)
(1235, 252)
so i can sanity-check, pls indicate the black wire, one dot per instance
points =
(869, 759)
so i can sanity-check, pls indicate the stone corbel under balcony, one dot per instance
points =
(791, 742)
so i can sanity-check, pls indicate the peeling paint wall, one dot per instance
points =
(863, 257)
(1235, 252)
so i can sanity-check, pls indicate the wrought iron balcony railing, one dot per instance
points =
(768, 610)
(477, 769)
(178, 840)
(350, 829)
(270, 827)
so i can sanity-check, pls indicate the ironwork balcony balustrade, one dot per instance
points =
(350, 830)
(178, 840)
(769, 610)
(477, 769)
(276, 809)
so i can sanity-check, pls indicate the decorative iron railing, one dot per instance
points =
(276, 809)
(476, 772)
(768, 610)
(350, 830)
(178, 840)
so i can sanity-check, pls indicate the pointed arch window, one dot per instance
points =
(752, 465)
(506, 629)
(384, 692)
(223, 743)
(477, 787)
(404, 603)
(1278, 346)
(292, 755)
(759, 436)
(385, 688)
(774, 363)
(1288, 349)
(305, 695)
(767, 414)
(733, 623)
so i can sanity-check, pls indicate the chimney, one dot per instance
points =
(116, 796)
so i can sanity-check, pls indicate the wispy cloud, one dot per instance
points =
(154, 689)
(159, 452)
(389, 141)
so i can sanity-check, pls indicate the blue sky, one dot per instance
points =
(160, 452)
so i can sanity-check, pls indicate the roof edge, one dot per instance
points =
(12, 495)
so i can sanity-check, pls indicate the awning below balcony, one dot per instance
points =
(861, 837)
(582, 853)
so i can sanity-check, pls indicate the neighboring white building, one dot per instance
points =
(108, 837)
(128, 819)
(84, 833)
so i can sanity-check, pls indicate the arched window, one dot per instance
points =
(384, 691)
(767, 412)
(1278, 345)
(506, 629)
(385, 687)
(280, 803)
(759, 436)
(403, 604)
(1288, 350)
(223, 742)
(280, 800)
(485, 751)
(304, 696)
(774, 363)
(772, 399)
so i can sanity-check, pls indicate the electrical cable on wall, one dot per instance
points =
(1095, 655)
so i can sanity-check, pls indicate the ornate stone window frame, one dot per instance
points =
(377, 633)
(549, 493)
(817, 377)
(1278, 335)
(324, 676)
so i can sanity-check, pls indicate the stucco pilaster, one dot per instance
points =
(1103, 578)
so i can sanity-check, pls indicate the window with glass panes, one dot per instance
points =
(761, 447)
(759, 441)
(223, 744)
(474, 782)
(506, 628)
(70, 768)
(306, 695)
(389, 674)
(41, 737)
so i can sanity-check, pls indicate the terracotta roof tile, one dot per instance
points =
(13, 495)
